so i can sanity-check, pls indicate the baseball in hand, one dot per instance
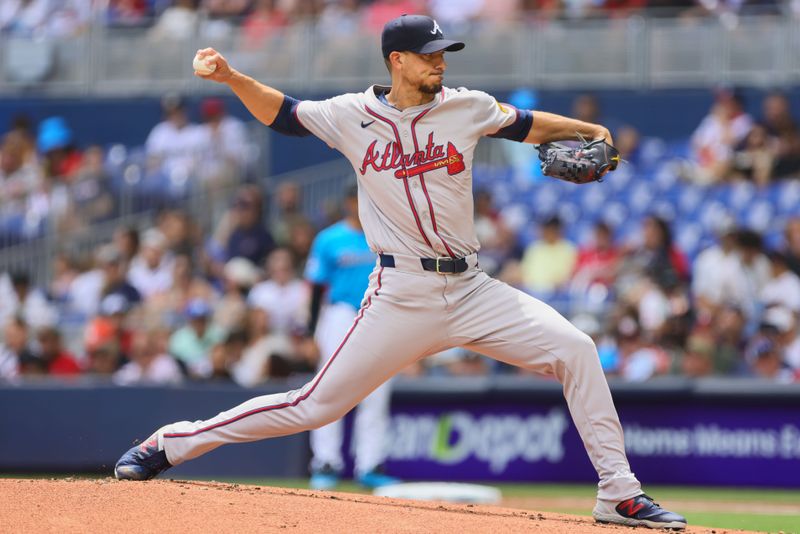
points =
(203, 66)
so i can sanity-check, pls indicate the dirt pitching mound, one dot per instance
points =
(109, 506)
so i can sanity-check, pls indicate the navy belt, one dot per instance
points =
(436, 265)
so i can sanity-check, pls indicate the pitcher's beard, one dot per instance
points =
(430, 89)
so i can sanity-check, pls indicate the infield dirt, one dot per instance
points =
(109, 506)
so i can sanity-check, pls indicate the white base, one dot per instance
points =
(442, 491)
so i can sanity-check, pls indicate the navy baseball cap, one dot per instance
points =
(415, 33)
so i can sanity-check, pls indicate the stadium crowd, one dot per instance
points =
(260, 19)
(174, 302)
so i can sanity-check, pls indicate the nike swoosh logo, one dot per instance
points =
(365, 124)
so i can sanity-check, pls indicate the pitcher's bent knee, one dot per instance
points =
(578, 346)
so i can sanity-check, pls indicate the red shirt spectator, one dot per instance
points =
(56, 358)
(598, 262)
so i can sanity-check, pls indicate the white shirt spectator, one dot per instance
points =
(249, 371)
(179, 149)
(162, 370)
(741, 284)
(150, 281)
(36, 311)
(176, 22)
(228, 141)
(706, 281)
(714, 139)
(85, 292)
(455, 12)
(285, 304)
(784, 290)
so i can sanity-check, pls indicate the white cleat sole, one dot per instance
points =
(620, 520)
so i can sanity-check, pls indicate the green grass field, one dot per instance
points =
(746, 509)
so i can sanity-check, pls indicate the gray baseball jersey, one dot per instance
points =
(415, 200)
(414, 166)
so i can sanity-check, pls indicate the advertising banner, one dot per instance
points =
(675, 444)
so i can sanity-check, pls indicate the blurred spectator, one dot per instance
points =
(103, 354)
(178, 22)
(262, 345)
(707, 289)
(225, 355)
(597, 262)
(19, 177)
(90, 196)
(743, 276)
(127, 12)
(174, 145)
(639, 359)
(18, 297)
(586, 106)
(241, 233)
(289, 212)
(60, 157)
(149, 361)
(754, 159)
(225, 140)
(783, 287)
(117, 310)
(126, 240)
(496, 239)
(167, 307)
(63, 274)
(151, 270)
(86, 289)
(301, 236)
(339, 19)
(778, 120)
(698, 360)
(58, 361)
(225, 8)
(728, 329)
(177, 228)
(627, 141)
(456, 15)
(791, 236)
(718, 134)
(70, 18)
(25, 18)
(115, 278)
(765, 351)
(655, 257)
(239, 276)
(283, 296)
(15, 356)
(266, 20)
(377, 13)
(549, 261)
(192, 343)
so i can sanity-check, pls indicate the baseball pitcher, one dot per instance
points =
(412, 145)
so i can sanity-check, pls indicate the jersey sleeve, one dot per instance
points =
(321, 118)
(500, 120)
(319, 265)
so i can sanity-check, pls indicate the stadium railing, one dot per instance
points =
(637, 52)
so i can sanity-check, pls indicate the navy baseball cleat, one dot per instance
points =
(640, 511)
(142, 462)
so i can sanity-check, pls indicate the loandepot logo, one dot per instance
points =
(497, 440)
